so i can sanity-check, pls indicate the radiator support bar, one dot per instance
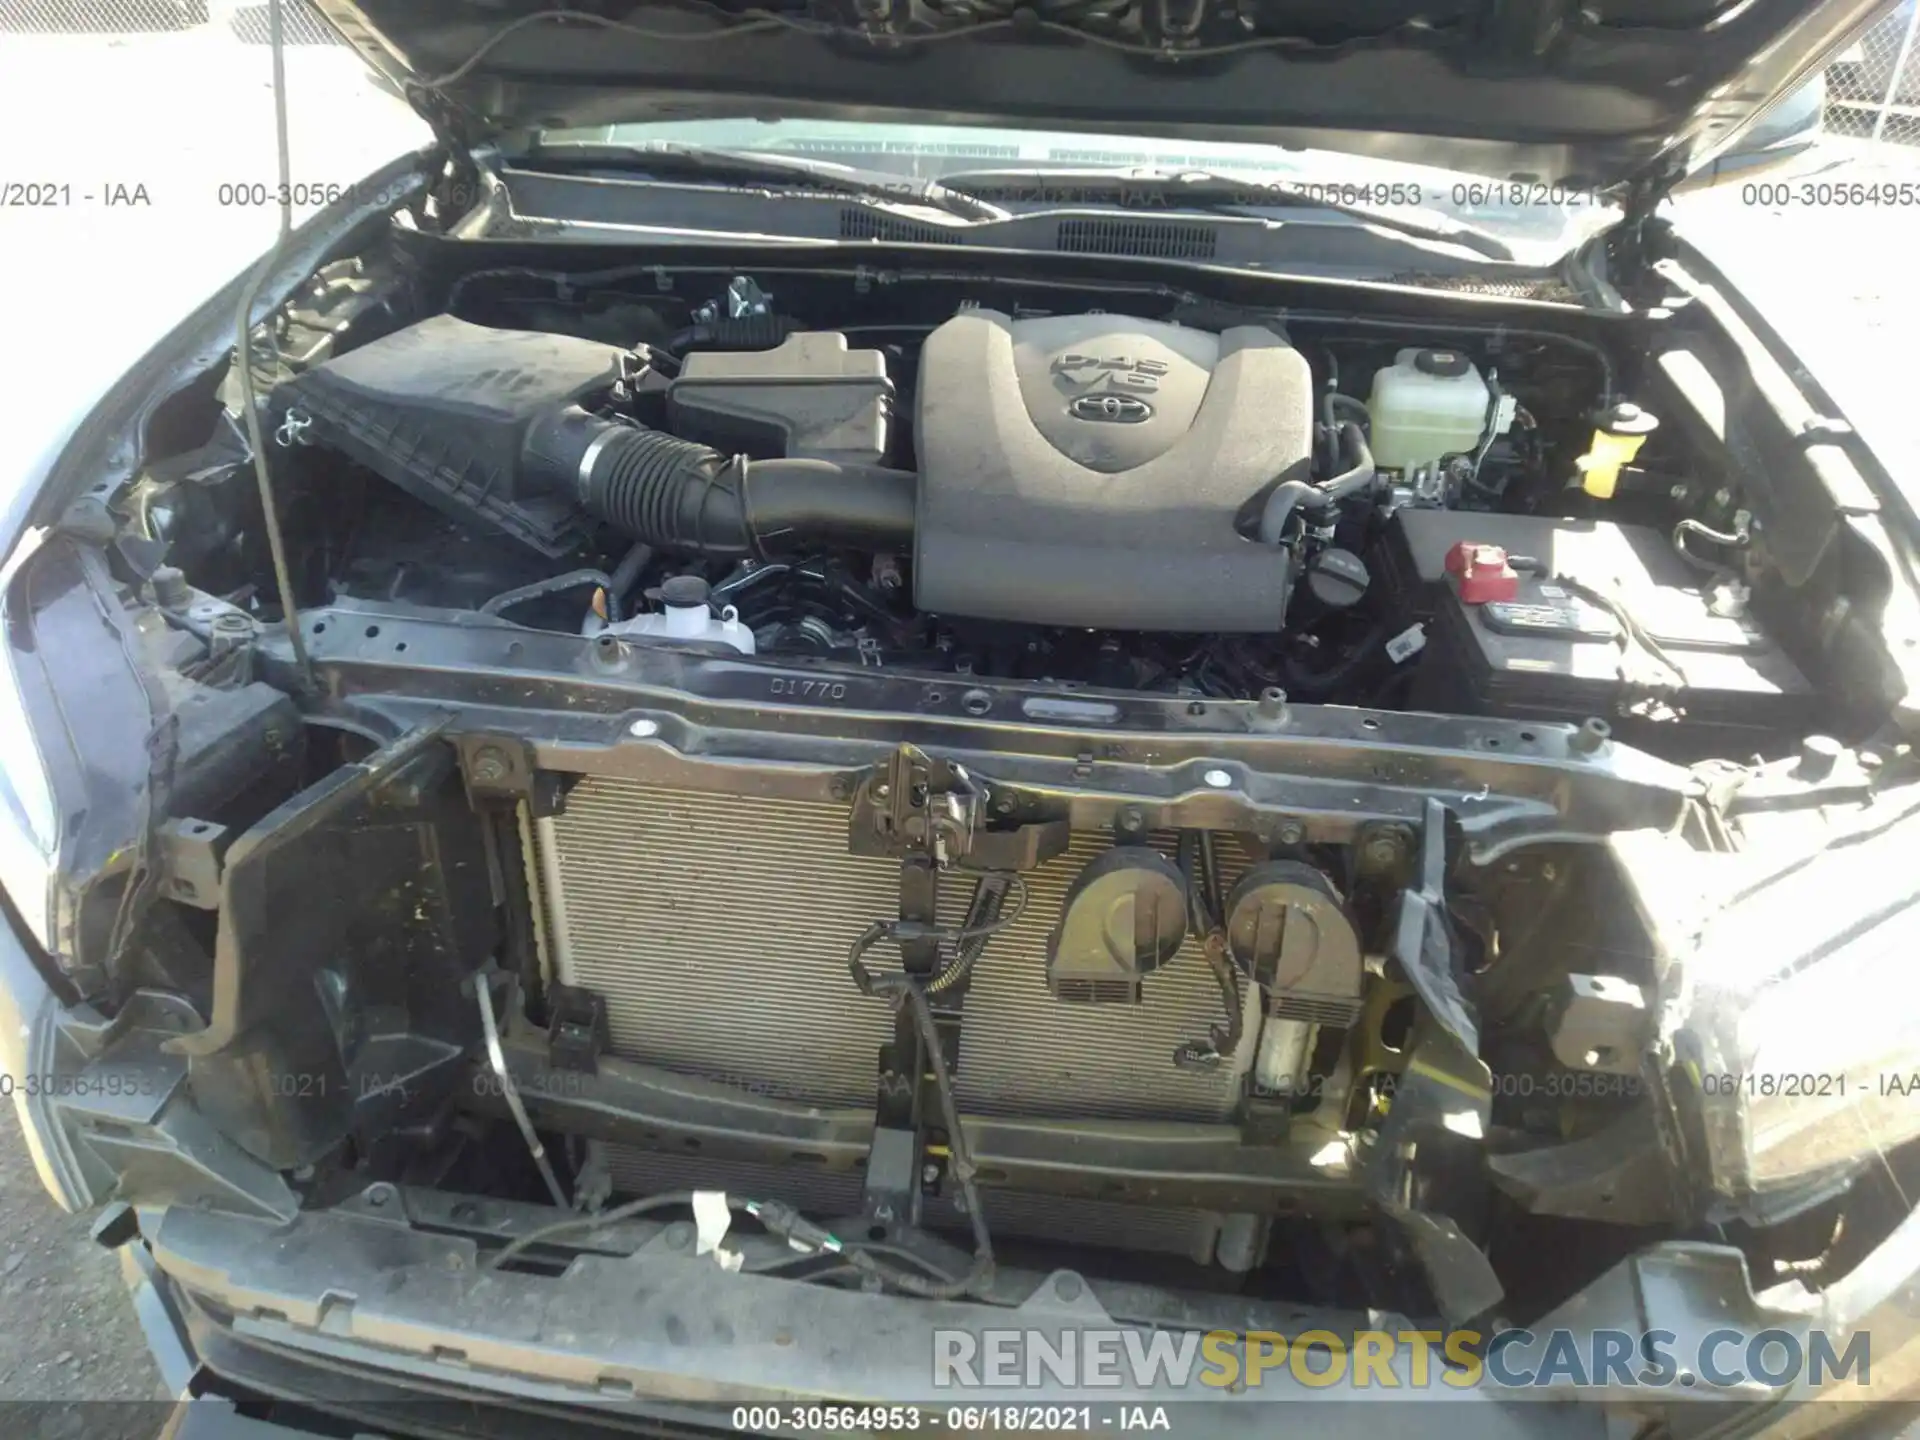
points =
(1207, 1166)
(744, 725)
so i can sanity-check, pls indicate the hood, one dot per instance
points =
(1601, 94)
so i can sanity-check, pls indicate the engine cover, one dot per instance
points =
(1098, 470)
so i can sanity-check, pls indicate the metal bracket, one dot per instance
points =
(499, 771)
(929, 814)
(576, 1028)
(891, 1190)
(1423, 935)
(190, 857)
(919, 804)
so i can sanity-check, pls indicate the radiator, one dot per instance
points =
(716, 928)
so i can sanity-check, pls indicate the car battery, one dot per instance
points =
(1537, 633)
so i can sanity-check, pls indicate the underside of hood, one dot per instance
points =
(1608, 94)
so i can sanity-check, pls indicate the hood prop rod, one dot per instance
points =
(243, 350)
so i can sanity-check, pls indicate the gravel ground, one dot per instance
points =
(69, 1343)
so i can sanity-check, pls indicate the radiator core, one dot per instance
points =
(716, 927)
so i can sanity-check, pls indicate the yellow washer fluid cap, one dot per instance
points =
(1618, 434)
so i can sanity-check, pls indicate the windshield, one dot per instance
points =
(1540, 222)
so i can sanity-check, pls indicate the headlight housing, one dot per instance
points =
(29, 820)
(1797, 1058)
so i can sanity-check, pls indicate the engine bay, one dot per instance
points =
(1123, 769)
(1422, 519)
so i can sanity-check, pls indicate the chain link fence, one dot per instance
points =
(245, 19)
(1873, 86)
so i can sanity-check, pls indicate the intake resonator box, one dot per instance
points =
(1102, 471)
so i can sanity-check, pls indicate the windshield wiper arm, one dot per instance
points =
(1208, 189)
(672, 159)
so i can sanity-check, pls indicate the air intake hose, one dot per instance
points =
(679, 494)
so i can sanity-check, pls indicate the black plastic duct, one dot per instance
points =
(672, 492)
(489, 426)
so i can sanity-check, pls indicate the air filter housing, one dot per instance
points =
(444, 410)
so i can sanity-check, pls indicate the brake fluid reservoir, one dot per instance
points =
(1427, 405)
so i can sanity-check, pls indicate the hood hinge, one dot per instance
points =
(1642, 238)
(455, 133)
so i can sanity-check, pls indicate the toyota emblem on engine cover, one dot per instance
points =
(1111, 409)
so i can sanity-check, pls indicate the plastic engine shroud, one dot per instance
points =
(1098, 470)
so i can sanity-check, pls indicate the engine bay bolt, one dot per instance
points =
(1382, 851)
(1068, 1287)
(1273, 703)
(1818, 755)
(490, 766)
(1131, 820)
(644, 729)
(169, 586)
(1291, 832)
(930, 1175)
(1592, 734)
(1218, 779)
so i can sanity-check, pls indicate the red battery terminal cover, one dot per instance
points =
(1482, 572)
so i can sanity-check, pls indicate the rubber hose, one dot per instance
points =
(552, 585)
(625, 575)
(1287, 496)
(671, 492)
(1291, 495)
(1359, 472)
(1313, 685)
(1333, 402)
(794, 504)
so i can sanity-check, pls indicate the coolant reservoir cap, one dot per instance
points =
(1445, 363)
(685, 592)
